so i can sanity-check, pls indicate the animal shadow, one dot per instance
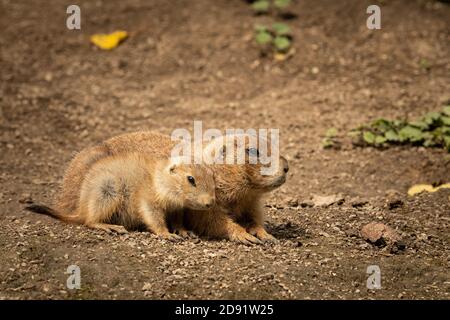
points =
(286, 231)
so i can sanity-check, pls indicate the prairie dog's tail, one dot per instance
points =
(42, 209)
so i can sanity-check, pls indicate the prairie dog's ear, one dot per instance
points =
(172, 167)
(175, 162)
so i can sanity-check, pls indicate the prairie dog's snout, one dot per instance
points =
(284, 164)
(201, 201)
(283, 169)
(206, 200)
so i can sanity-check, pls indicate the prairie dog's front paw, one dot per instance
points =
(170, 236)
(185, 233)
(244, 238)
(262, 234)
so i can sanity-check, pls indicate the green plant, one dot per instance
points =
(282, 4)
(277, 38)
(261, 6)
(424, 64)
(329, 140)
(264, 6)
(432, 130)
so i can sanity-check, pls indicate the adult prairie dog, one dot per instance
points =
(131, 190)
(237, 214)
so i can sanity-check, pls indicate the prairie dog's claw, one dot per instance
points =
(171, 237)
(245, 238)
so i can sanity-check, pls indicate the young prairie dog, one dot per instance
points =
(237, 214)
(127, 191)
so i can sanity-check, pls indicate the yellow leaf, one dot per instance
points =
(109, 41)
(443, 186)
(418, 188)
(280, 56)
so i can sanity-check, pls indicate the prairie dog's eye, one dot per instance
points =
(191, 180)
(253, 152)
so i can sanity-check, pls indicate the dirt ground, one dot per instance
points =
(196, 60)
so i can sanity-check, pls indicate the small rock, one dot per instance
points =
(358, 202)
(326, 201)
(48, 76)
(46, 287)
(38, 181)
(391, 193)
(379, 234)
(324, 234)
(292, 202)
(307, 203)
(147, 286)
(26, 198)
(394, 203)
(351, 232)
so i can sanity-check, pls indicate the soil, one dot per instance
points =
(196, 60)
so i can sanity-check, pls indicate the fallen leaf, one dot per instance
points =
(280, 56)
(109, 41)
(418, 188)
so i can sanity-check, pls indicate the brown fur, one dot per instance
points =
(238, 214)
(126, 191)
(67, 200)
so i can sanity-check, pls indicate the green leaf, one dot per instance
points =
(380, 140)
(446, 110)
(398, 123)
(263, 37)
(423, 63)
(446, 130)
(382, 125)
(431, 117)
(429, 143)
(282, 43)
(392, 136)
(281, 4)
(409, 133)
(354, 133)
(445, 120)
(369, 137)
(281, 29)
(419, 124)
(331, 133)
(447, 143)
(261, 28)
(327, 143)
(261, 6)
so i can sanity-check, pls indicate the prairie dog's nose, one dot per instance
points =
(208, 200)
(285, 165)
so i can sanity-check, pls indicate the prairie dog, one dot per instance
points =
(126, 191)
(238, 213)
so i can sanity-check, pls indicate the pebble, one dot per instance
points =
(379, 234)
(147, 286)
(292, 202)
